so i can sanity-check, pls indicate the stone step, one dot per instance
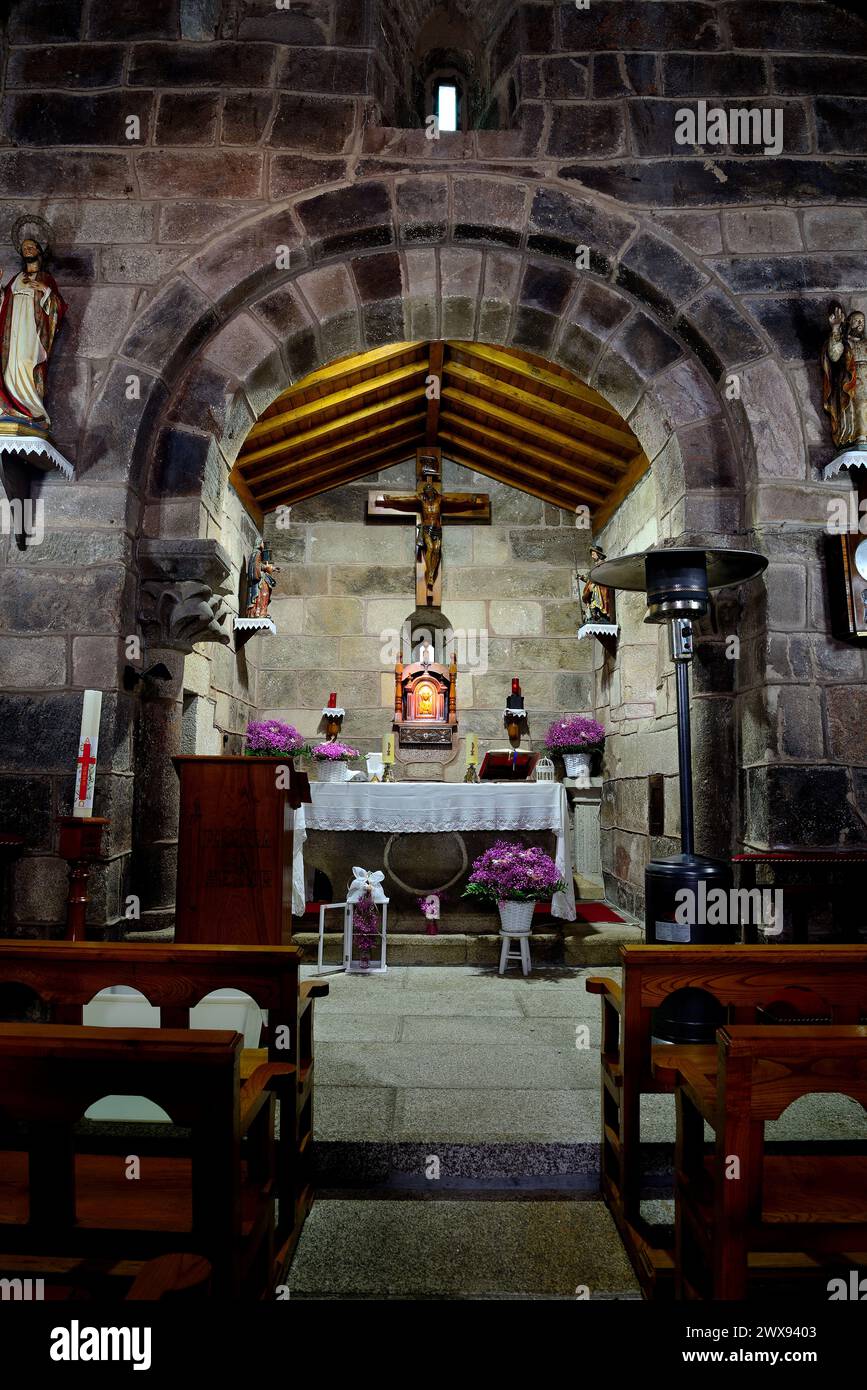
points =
(582, 945)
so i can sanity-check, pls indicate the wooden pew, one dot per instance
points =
(792, 1210)
(60, 1198)
(823, 984)
(174, 979)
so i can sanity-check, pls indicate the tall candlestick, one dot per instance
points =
(88, 745)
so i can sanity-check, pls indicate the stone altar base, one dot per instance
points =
(415, 865)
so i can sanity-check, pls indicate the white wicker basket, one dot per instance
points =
(516, 918)
(331, 771)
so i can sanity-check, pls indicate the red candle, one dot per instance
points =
(332, 700)
(516, 686)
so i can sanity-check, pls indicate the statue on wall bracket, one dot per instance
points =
(844, 399)
(261, 582)
(31, 312)
(597, 602)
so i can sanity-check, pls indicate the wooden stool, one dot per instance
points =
(523, 954)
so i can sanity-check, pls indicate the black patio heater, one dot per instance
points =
(678, 582)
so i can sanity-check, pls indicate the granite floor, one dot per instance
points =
(457, 1126)
(460, 1055)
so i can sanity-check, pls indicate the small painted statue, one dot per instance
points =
(31, 311)
(261, 581)
(597, 600)
(844, 377)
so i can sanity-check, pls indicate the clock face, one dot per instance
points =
(860, 558)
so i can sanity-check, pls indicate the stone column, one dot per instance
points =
(181, 605)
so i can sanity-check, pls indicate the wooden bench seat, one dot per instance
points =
(56, 1199)
(67, 976)
(800, 1209)
(753, 984)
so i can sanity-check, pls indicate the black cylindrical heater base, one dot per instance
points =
(689, 1016)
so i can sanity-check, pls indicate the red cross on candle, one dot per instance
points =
(85, 762)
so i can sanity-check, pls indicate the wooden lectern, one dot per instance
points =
(235, 850)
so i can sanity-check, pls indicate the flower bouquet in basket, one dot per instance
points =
(271, 738)
(575, 739)
(332, 760)
(515, 877)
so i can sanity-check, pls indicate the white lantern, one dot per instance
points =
(545, 771)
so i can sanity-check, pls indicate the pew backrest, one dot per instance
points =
(173, 978)
(770, 1067)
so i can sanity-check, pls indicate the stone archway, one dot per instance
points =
(475, 257)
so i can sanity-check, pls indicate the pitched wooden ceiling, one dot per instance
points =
(506, 414)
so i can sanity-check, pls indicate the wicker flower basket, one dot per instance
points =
(516, 918)
(336, 771)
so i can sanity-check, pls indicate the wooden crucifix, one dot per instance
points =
(430, 507)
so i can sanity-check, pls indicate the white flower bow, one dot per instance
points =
(366, 883)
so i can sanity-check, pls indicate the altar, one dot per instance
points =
(435, 808)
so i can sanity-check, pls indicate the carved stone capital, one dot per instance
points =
(181, 599)
(180, 615)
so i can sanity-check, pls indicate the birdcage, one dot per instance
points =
(545, 771)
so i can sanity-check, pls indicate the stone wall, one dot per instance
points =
(348, 587)
(259, 128)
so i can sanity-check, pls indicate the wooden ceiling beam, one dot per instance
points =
(559, 465)
(366, 439)
(543, 491)
(553, 440)
(636, 470)
(434, 385)
(350, 473)
(345, 366)
(347, 396)
(561, 417)
(516, 474)
(247, 462)
(567, 386)
(410, 433)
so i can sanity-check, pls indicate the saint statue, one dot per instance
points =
(31, 310)
(844, 377)
(597, 600)
(425, 703)
(261, 581)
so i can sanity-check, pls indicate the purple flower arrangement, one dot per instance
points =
(514, 873)
(578, 734)
(334, 752)
(271, 738)
(365, 926)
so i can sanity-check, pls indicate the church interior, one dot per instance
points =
(433, 614)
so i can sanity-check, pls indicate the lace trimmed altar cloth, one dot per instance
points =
(433, 807)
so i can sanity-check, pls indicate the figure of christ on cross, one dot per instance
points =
(431, 507)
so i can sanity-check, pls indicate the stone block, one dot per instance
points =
(67, 65)
(202, 65)
(126, 20)
(38, 174)
(688, 26)
(551, 654)
(589, 129)
(714, 327)
(700, 230)
(835, 229)
(187, 118)
(32, 663)
(359, 218)
(98, 119)
(198, 173)
(794, 28)
(624, 74)
(560, 223)
(761, 229)
(422, 209)
(341, 616)
(847, 731)
(517, 618)
(371, 579)
(245, 119)
(322, 125)
(96, 662)
(490, 691)
(560, 547)
(39, 890)
(332, 71)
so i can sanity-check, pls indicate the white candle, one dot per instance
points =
(88, 745)
(472, 750)
(388, 748)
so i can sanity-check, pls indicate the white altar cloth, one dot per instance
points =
(402, 808)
